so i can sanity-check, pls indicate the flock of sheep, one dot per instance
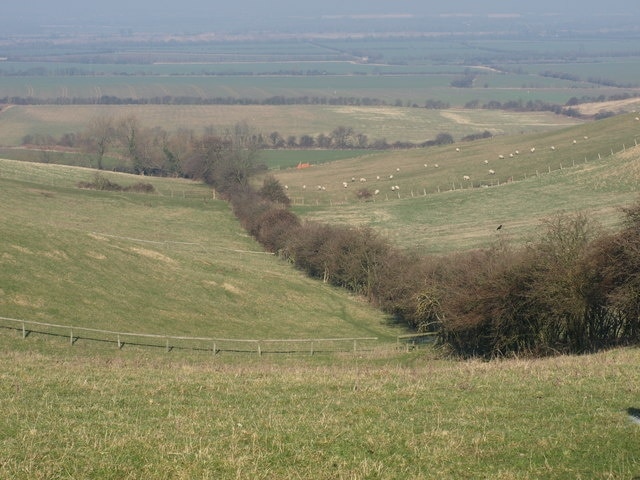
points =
(466, 178)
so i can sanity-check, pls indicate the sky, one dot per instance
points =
(206, 15)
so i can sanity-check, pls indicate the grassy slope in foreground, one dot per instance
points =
(95, 412)
(159, 263)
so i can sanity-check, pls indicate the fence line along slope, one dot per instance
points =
(150, 263)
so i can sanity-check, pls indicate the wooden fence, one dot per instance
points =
(309, 346)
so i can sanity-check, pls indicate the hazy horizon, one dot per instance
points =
(196, 16)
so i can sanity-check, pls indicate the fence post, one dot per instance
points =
(311, 348)
(215, 350)
(71, 339)
(259, 348)
(120, 344)
(167, 344)
(355, 346)
(24, 331)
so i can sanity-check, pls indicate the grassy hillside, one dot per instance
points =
(437, 209)
(175, 262)
(96, 412)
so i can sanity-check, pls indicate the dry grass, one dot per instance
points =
(392, 123)
(79, 412)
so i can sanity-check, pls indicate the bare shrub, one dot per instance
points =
(274, 227)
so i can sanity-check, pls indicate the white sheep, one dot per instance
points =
(517, 152)
(436, 165)
(393, 188)
(425, 165)
(390, 176)
(398, 169)
(304, 187)
(397, 187)
(486, 162)
(533, 149)
(500, 157)
(466, 177)
(376, 192)
(345, 184)
(492, 172)
(575, 141)
(586, 137)
(457, 149)
(377, 177)
(552, 147)
(286, 187)
(362, 179)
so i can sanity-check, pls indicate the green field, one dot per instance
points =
(437, 210)
(170, 263)
(92, 411)
(176, 263)
(390, 123)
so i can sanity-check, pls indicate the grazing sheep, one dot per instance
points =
(486, 162)
(425, 165)
(500, 157)
(637, 119)
(466, 177)
(397, 187)
(457, 149)
(398, 169)
(511, 155)
(378, 177)
(390, 176)
(517, 152)
(345, 184)
(575, 141)
(353, 179)
(286, 187)
(376, 192)
(533, 149)
(436, 165)
(362, 179)
(552, 147)
(304, 187)
(492, 172)
(393, 188)
(586, 137)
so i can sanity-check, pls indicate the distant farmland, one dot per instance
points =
(390, 123)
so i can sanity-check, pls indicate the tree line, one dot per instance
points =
(155, 151)
(575, 289)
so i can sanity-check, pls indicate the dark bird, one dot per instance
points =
(499, 227)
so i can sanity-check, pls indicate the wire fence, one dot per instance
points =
(169, 343)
